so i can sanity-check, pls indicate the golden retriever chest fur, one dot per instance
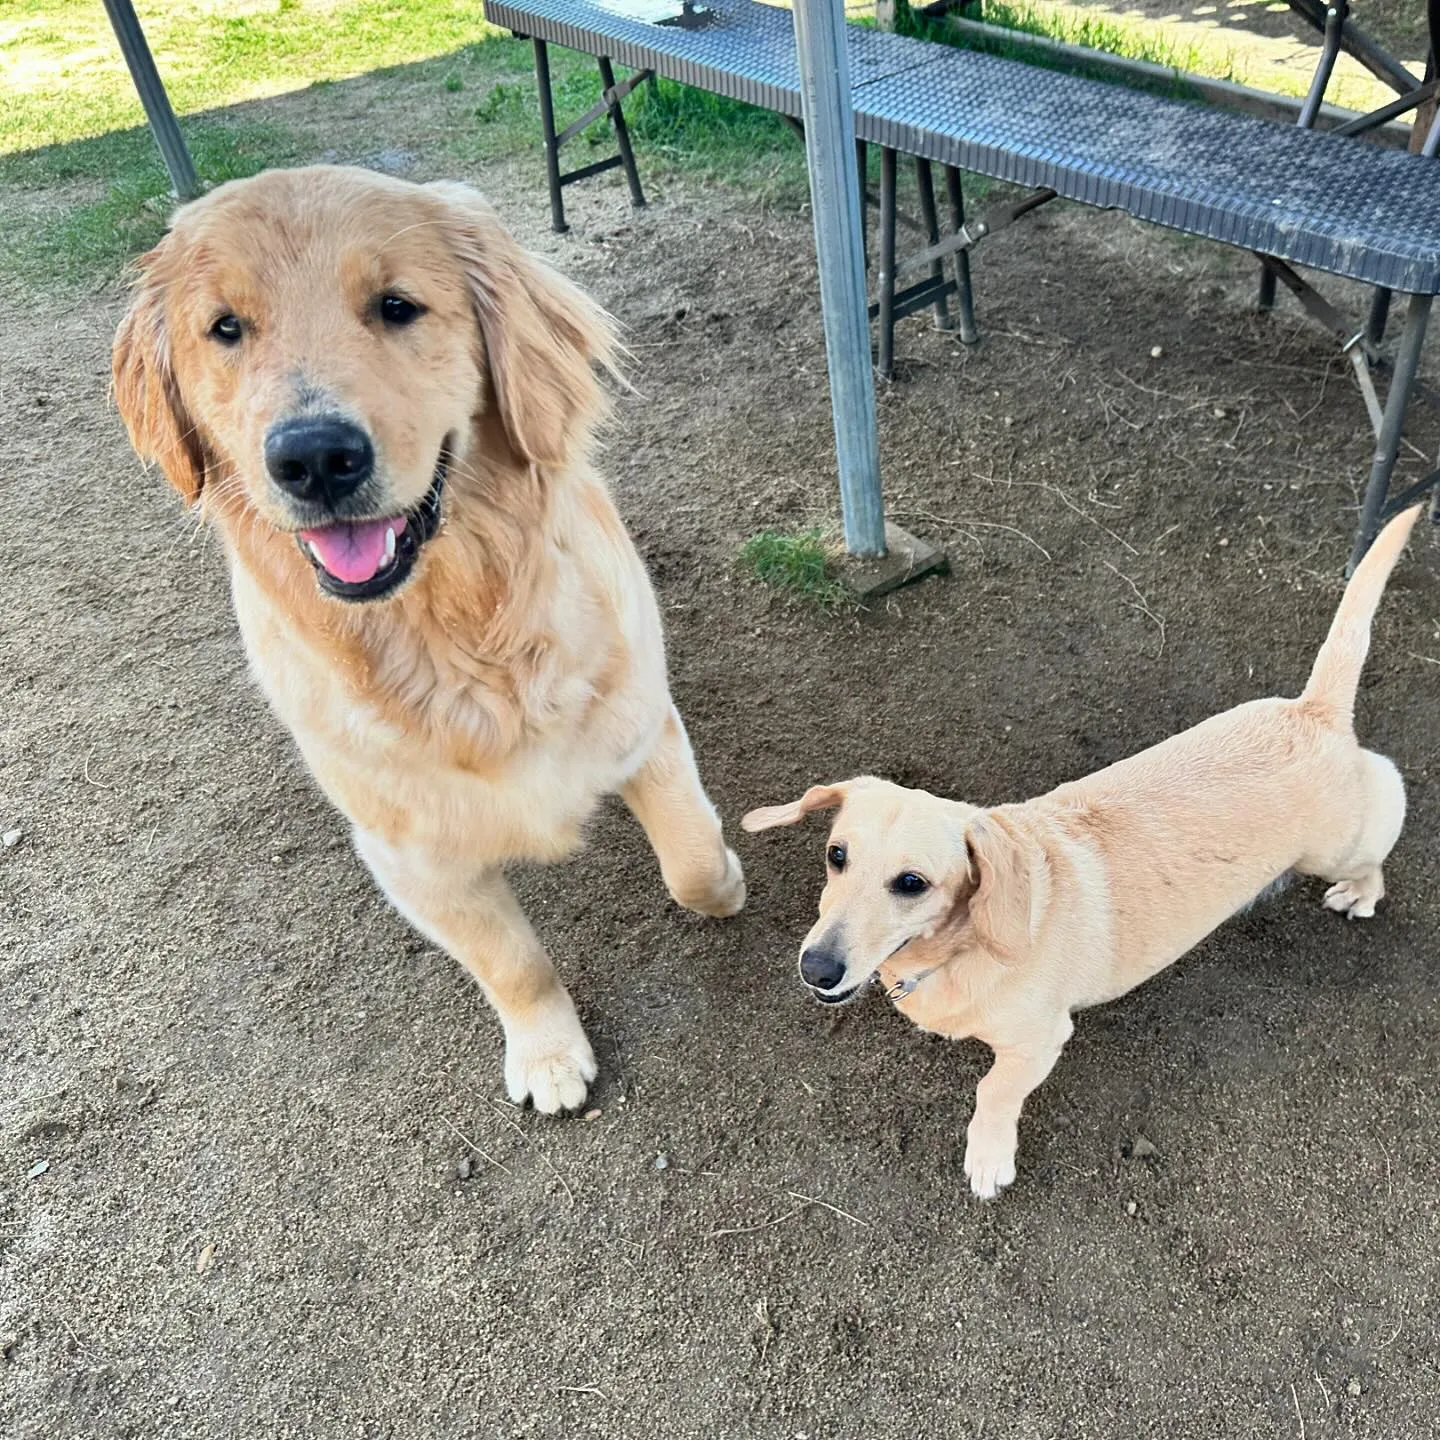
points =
(494, 739)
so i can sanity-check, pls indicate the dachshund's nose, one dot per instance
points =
(319, 458)
(821, 969)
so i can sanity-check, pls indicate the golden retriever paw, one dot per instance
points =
(989, 1162)
(1355, 899)
(551, 1065)
(726, 898)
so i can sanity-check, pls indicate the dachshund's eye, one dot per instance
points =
(835, 856)
(227, 330)
(396, 310)
(909, 883)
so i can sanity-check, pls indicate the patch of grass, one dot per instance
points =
(72, 119)
(71, 115)
(100, 235)
(798, 563)
(673, 126)
(64, 78)
(1114, 37)
(722, 139)
(1089, 31)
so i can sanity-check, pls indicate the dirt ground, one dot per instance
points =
(259, 1178)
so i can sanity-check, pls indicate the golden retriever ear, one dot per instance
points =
(544, 337)
(817, 797)
(146, 392)
(1007, 870)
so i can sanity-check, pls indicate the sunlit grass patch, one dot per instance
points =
(64, 78)
(98, 236)
(1116, 36)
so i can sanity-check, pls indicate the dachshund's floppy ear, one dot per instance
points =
(146, 392)
(1011, 886)
(543, 336)
(817, 797)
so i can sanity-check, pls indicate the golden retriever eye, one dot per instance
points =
(227, 330)
(909, 883)
(835, 857)
(396, 310)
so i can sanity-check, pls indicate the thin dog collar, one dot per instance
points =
(901, 988)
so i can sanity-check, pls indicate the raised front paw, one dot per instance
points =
(989, 1159)
(550, 1063)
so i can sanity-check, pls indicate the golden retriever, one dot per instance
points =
(386, 408)
(999, 923)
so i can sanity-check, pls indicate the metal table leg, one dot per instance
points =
(886, 278)
(926, 186)
(1379, 315)
(158, 112)
(1387, 445)
(552, 143)
(968, 333)
(862, 167)
(622, 135)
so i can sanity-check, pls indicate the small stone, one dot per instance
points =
(1223, 541)
(1352, 1387)
(7, 1343)
(1219, 413)
(593, 1114)
(12, 837)
(662, 1162)
(1131, 1208)
(38, 1169)
(1142, 1149)
(392, 161)
(1156, 352)
(203, 1259)
(464, 1168)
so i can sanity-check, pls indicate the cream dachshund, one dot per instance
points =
(1000, 923)
(386, 409)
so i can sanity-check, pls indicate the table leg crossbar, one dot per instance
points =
(608, 106)
(933, 291)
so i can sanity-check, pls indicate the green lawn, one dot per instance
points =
(64, 79)
(73, 143)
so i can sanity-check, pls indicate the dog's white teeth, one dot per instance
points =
(314, 552)
(389, 545)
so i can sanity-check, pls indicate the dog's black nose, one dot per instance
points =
(821, 969)
(319, 458)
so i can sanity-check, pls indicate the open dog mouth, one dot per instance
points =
(836, 999)
(367, 559)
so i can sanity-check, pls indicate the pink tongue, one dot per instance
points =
(353, 553)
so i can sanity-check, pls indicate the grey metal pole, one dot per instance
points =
(1387, 444)
(153, 97)
(840, 252)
